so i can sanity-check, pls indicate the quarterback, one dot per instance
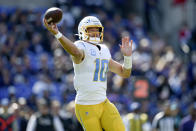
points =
(92, 60)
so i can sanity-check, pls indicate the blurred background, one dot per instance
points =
(36, 74)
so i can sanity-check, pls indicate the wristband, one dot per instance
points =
(127, 62)
(58, 35)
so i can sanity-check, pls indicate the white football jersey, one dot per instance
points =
(90, 80)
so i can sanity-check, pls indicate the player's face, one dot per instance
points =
(93, 32)
(43, 109)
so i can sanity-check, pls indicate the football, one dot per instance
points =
(53, 15)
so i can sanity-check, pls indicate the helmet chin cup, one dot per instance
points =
(94, 40)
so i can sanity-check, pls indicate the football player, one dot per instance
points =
(92, 60)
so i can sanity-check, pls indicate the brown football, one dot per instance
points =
(53, 15)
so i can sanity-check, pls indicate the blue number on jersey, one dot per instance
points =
(97, 61)
(100, 74)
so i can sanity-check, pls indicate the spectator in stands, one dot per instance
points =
(7, 117)
(68, 118)
(24, 113)
(43, 85)
(43, 120)
(189, 122)
(136, 121)
(164, 120)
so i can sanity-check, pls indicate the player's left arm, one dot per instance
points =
(125, 69)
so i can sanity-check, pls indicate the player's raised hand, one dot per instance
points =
(126, 47)
(51, 27)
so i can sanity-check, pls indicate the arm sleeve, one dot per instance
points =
(57, 124)
(155, 123)
(32, 123)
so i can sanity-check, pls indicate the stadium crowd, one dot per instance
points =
(36, 72)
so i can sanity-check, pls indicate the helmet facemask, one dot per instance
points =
(92, 37)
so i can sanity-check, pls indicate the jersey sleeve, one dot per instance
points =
(32, 123)
(80, 45)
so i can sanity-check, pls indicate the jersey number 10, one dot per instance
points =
(100, 74)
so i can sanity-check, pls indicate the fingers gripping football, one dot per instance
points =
(51, 17)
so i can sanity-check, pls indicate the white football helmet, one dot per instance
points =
(85, 23)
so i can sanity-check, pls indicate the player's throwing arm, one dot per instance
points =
(52, 17)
